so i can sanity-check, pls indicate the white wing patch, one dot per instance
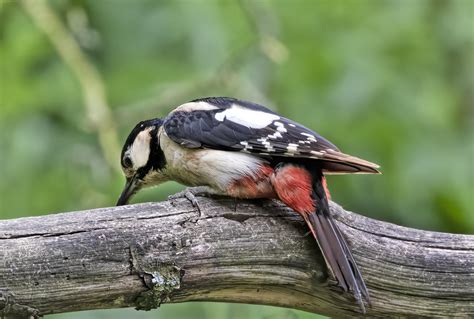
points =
(267, 144)
(292, 148)
(195, 106)
(280, 127)
(309, 137)
(246, 117)
(275, 135)
(318, 154)
(246, 145)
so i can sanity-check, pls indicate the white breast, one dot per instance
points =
(205, 167)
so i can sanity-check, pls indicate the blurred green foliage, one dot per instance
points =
(389, 81)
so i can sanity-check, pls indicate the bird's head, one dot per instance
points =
(142, 159)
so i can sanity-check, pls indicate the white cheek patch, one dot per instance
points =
(246, 117)
(140, 149)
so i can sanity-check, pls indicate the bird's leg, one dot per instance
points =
(195, 191)
(190, 194)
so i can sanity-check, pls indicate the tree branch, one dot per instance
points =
(146, 254)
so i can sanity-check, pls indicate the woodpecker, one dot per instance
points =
(244, 150)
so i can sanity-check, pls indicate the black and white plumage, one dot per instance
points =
(244, 150)
(235, 125)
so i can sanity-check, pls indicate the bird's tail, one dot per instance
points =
(333, 246)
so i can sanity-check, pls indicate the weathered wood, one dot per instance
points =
(141, 255)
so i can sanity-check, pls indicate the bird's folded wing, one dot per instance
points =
(261, 132)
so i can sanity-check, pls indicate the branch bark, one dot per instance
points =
(143, 255)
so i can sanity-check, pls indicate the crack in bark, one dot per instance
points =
(58, 234)
(240, 218)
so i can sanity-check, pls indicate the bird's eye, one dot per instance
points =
(127, 162)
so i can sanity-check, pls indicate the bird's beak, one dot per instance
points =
(132, 186)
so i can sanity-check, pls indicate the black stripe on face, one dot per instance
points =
(156, 159)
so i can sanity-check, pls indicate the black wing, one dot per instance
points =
(234, 125)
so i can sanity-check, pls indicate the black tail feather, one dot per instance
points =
(355, 269)
(334, 247)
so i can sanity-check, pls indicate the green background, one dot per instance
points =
(388, 81)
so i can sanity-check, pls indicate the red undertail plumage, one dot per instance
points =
(305, 191)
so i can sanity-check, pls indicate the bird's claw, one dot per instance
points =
(190, 195)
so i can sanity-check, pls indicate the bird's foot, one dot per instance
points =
(190, 194)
